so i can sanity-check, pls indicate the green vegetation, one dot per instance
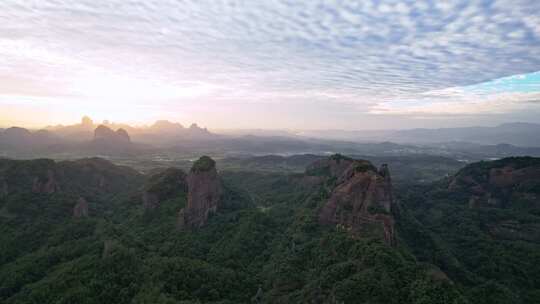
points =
(204, 163)
(364, 166)
(491, 251)
(339, 157)
(265, 237)
(168, 183)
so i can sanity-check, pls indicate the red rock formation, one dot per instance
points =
(102, 182)
(361, 201)
(494, 183)
(334, 166)
(81, 208)
(204, 194)
(150, 200)
(47, 186)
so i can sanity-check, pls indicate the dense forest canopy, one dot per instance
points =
(472, 237)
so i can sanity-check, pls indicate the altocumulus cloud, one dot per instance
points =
(372, 57)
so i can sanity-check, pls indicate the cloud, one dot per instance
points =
(375, 54)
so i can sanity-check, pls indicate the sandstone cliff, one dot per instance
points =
(81, 208)
(361, 198)
(204, 194)
(47, 185)
(497, 183)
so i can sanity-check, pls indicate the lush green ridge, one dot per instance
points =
(266, 237)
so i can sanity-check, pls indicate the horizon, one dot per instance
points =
(271, 65)
(232, 130)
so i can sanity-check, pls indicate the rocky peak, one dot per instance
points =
(166, 126)
(104, 133)
(494, 183)
(333, 166)
(81, 208)
(384, 171)
(361, 199)
(46, 185)
(204, 194)
(123, 135)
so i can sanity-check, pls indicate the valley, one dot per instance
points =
(264, 230)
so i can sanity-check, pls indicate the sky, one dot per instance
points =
(271, 64)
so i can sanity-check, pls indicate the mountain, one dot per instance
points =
(340, 231)
(501, 183)
(107, 135)
(16, 138)
(22, 143)
(166, 126)
(483, 225)
(162, 132)
(361, 200)
(204, 194)
(93, 227)
(77, 132)
(517, 134)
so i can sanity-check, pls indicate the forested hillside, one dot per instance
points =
(88, 231)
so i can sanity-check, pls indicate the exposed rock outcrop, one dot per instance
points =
(495, 183)
(150, 200)
(163, 186)
(333, 166)
(47, 185)
(68, 178)
(361, 200)
(204, 194)
(81, 208)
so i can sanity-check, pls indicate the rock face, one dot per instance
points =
(361, 200)
(334, 166)
(47, 185)
(150, 200)
(495, 183)
(81, 208)
(162, 186)
(204, 194)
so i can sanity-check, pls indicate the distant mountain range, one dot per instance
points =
(517, 134)
(89, 139)
(161, 132)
